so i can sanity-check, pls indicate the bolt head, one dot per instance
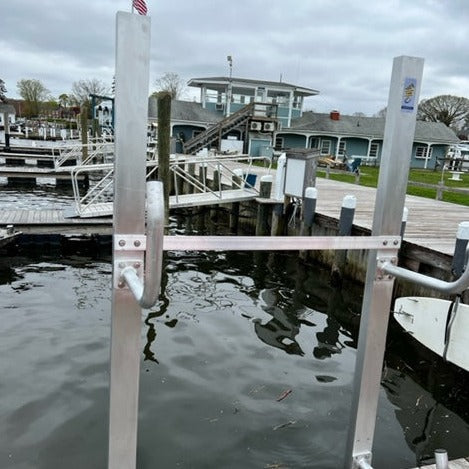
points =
(137, 243)
(121, 243)
(121, 284)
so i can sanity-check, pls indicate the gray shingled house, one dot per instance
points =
(334, 134)
(337, 135)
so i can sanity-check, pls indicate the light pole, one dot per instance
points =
(230, 86)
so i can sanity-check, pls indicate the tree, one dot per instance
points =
(64, 100)
(381, 113)
(453, 111)
(34, 94)
(82, 89)
(3, 90)
(172, 83)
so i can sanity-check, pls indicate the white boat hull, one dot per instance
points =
(426, 319)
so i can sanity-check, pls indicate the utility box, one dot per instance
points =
(300, 171)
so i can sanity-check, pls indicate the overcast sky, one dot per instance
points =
(343, 48)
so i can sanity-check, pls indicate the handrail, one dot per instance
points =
(146, 292)
(458, 286)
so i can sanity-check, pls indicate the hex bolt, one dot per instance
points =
(121, 284)
(385, 243)
(396, 242)
(121, 242)
(394, 260)
(389, 277)
(121, 265)
(137, 265)
(137, 243)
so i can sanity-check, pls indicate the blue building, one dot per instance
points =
(338, 136)
(226, 96)
(257, 116)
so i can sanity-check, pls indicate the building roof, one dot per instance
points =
(187, 111)
(218, 82)
(4, 107)
(366, 127)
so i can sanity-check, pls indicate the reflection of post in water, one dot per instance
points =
(281, 330)
(162, 307)
(328, 338)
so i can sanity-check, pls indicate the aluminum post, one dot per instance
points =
(394, 169)
(131, 104)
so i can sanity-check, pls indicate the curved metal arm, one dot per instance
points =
(458, 286)
(147, 293)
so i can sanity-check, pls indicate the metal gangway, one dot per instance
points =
(70, 155)
(139, 242)
(97, 201)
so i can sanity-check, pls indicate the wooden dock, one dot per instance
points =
(431, 225)
(462, 463)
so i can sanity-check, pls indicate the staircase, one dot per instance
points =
(237, 120)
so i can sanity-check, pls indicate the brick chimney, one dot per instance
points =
(335, 115)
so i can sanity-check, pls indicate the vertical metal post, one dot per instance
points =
(132, 75)
(397, 146)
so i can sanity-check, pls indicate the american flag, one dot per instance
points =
(140, 6)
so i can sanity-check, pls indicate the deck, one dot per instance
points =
(431, 224)
(462, 463)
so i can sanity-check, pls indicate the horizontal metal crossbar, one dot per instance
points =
(278, 243)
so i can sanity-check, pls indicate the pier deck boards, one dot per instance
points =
(462, 463)
(431, 224)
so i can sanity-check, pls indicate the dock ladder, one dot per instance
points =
(137, 249)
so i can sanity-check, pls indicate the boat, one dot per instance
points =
(440, 325)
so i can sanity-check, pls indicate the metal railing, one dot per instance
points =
(99, 151)
(101, 190)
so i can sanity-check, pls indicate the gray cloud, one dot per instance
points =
(342, 48)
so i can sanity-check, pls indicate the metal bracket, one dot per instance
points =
(383, 259)
(120, 265)
(362, 461)
(130, 242)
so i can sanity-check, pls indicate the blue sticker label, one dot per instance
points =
(408, 95)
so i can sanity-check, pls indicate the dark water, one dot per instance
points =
(232, 333)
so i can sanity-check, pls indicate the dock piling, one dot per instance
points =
(263, 210)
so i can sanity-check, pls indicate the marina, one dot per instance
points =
(247, 310)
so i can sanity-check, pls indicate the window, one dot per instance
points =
(374, 150)
(326, 147)
(278, 143)
(314, 143)
(423, 152)
(342, 147)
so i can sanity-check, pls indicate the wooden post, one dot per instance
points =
(216, 188)
(263, 210)
(164, 129)
(459, 257)
(347, 213)
(234, 214)
(84, 130)
(439, 190)
(6, 124)
(191, 171)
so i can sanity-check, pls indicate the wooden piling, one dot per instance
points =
(263, 210)
(345, 229)
(84, 111)
(237, 180)
(164, 140)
